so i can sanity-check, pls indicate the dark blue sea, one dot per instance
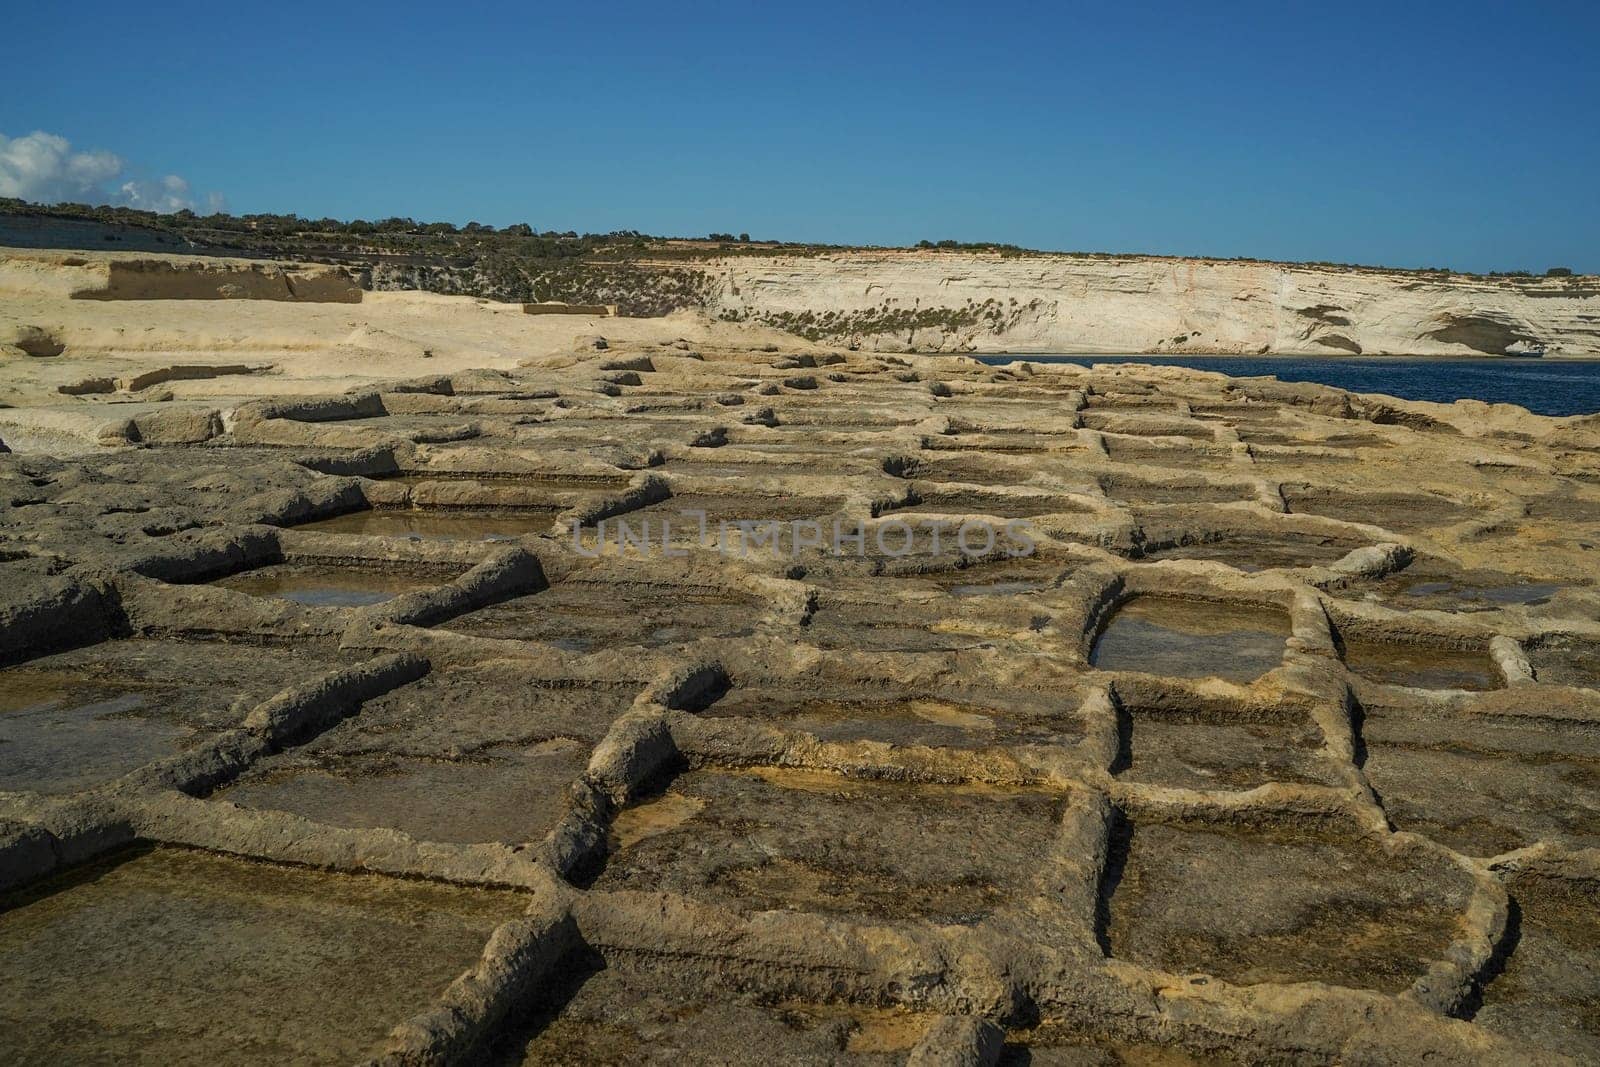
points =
(1545, 386)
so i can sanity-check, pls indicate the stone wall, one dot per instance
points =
(159, 279)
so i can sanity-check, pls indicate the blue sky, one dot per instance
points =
(1462, 134)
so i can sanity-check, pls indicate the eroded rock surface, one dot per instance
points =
(363, 724)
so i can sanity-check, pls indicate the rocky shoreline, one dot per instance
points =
(1280, 743)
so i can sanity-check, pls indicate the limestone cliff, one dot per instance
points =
(930, 301)
(946, 301)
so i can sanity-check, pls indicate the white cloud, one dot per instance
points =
(42, 168)
(168, 194)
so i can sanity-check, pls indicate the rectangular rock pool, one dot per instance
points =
(172, 955)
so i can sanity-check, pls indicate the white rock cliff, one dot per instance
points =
(960, 301)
